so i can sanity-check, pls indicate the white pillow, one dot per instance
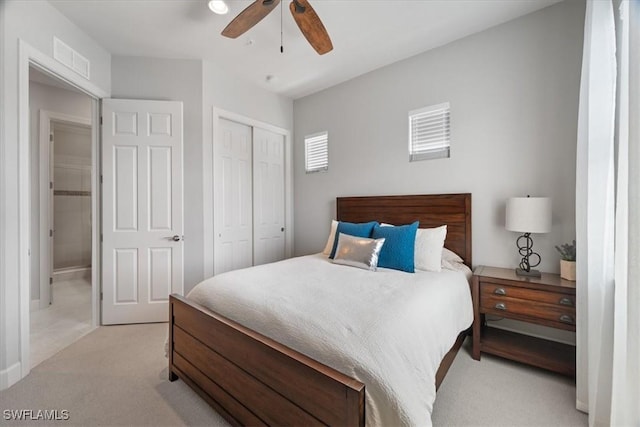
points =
(450, 258)
(331, 239)
(428, 248)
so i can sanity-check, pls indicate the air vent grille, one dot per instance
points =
(71, 58)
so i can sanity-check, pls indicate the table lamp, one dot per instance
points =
(528, 215)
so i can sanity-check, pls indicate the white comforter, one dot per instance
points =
(388, 329)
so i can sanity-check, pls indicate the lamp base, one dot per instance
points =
(530, 273)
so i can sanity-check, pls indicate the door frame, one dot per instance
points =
(208, 184)
(30, 56)
(46, 202)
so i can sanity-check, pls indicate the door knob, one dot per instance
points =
(175, 238)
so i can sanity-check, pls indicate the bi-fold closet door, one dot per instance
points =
(249, 196)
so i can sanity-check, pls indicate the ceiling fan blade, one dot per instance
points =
(249, 17)
(311, 26)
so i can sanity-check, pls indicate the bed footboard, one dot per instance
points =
(253, 380)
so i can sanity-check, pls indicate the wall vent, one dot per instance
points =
(69, 57)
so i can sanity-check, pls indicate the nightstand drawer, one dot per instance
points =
(548, 300)
(528, 294)
(507, 306)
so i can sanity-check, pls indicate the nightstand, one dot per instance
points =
(548, 300)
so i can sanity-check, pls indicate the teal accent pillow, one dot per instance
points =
(398, 250)
(362, 229)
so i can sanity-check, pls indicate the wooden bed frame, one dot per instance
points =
(251, 379)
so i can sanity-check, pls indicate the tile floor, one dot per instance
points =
(63, 322)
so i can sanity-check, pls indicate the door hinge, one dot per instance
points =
(100, 179)
(50, 233)
(100, 295)
(51, 185)
(50, 137)
(51, 280)
(100, 120)
(100, 237)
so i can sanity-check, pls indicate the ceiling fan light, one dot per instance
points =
(218, 6)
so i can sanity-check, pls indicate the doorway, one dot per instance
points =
(62, 211)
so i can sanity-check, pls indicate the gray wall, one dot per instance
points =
(43, 97)
(35, 22)
(223, 89)
(173, 80)
(513, 91)
(200, 86)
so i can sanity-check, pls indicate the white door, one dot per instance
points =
(268, 197)
(233, 225)
(142, 221)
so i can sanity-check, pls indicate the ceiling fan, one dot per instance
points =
(304, 15)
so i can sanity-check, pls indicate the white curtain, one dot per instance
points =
(608, 218)
(625, 393)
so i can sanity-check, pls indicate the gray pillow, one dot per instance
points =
(358, 252)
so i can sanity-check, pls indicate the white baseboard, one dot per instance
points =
(582, 407)
(10, 376)
(72, 273)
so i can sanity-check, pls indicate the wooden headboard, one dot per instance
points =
(432, 210)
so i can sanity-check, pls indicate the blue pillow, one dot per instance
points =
(362, 229)
(399, 246)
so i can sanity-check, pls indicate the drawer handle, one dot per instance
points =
(500, 306)
(500, 291)
(566, 301)
(565, 318)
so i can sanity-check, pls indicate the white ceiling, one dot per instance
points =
(366, 34)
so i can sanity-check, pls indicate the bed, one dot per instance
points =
(251, 379)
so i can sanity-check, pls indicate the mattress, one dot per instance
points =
(387, 329)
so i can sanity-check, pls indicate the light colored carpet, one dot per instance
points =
(497, 392)
(116, 376)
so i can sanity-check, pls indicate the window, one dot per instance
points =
(316, 152)
(429, 134)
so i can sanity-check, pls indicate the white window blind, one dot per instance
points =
(316, 152)
(429, 133)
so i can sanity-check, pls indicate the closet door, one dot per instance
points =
(233, 223)
(268, 197)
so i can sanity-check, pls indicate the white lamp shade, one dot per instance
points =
(528, 214)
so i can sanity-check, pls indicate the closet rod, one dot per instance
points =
(71, 193)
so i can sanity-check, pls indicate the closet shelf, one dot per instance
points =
(71, 193)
